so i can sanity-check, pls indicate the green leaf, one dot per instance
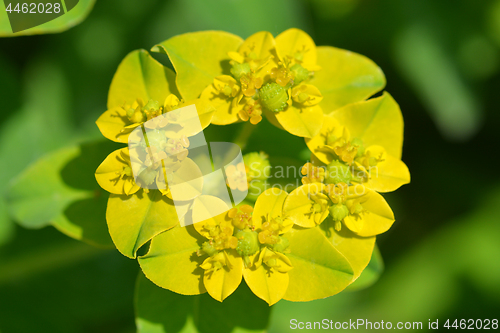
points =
(162, 311)
(198, 58)
(29, 132)
(319, 269)
(172, 262)
(62, 23)
(345, 77)
(140, 76)
(371, 273)
(60, 189)
(134, 220)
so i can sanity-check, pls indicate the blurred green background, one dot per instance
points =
(442, 63)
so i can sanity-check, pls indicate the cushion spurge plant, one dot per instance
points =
(308, 243)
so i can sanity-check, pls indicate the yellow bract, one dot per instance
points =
(115, 173)
(294, 46)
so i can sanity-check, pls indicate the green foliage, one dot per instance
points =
(60, 24)
(60, 189)
(162, 311)
(135, 220)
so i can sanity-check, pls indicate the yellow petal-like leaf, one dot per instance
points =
(314, 144)
(319, 269)
(261, 47)
(109, 177)
(172, 262)
(370, 274)
(305, 122)
(298, 206)
(271, 116)
(206, 111)
(377, 121)
(311, 92)
(112, 124)
(268, 285)
(293, 41)
(269, 203)
(140, 76)
(223, 282)
(377, 219)
(198, 58)
(388, 175)
(345, 77)
(207, 210)
(357, 250)
(134, 220)
(187, 182)
(260, 44)
(223, 114)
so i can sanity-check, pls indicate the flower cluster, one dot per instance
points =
(307, 244)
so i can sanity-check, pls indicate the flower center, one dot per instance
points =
(274, 97)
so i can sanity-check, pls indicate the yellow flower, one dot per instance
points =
(312, 174)
(309, 244)
(277, 262)
(364, 140)
(252, 110)
(241, 216)
(238, 247)
(363, 211)
(237, 177)
(117, 123)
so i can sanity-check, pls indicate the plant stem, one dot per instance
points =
(242, 139)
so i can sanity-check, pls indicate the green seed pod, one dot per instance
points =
(273, 97)
(282, 245)
(248, 242)
(238, 70)
(338, 172)
(338, 212)
(300, 73)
